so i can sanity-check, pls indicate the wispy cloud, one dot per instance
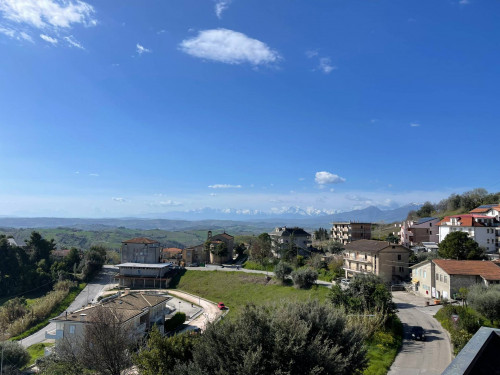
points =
(93, 174)
(326, 178)
(464, 2)
(141, 49)
(72, 42)
(414, 125)
(325, 65)
(230, 47)
(221, 6)
(170, 202)
(14, 34)
(119, 199)
(48, 39)
(48, 13)
(224, 186)
(301, 179)
(311, 53)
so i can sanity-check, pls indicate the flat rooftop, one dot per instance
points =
(145, 265)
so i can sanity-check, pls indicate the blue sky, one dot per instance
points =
(120, 108)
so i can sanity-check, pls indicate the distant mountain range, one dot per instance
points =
(211, 218)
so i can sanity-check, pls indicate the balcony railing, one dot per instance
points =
(55, 334)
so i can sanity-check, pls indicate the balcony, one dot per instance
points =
(363, 271)
(55, 334)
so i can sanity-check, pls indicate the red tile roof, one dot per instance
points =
(484, 268)
(171, 250)
(141, 240)
(466, 220)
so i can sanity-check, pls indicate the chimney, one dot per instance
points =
(83, 317)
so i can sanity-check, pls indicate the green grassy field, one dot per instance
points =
(37, 351)
(236, 289)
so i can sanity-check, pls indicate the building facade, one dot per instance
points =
(414, 232)
(381, 258)
(349, 231)
(140, 250)
(481, 228)
(443, 278)
(284, 238)
(204, 253)
(492, 210)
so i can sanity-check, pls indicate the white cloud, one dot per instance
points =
(93, 174)
(464, 2)
(224, 186)
(324, 178)
(26, 36)
(213, 194)
(230, 47)
(221, 6)
(9, 32)
(48, 39)
(170, 203)
(161, 31)
(301, 179)
(73, 42)
(311, 53)
(48, 13)
(141, 49)
(325, 65)
(14, 34)
(414, 125)
(332, 190)
(119, 199)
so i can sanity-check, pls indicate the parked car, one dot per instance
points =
(417, 333)
(221, 306)
(345, 281)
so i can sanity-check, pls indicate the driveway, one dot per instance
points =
(429, 357)
(88, 295)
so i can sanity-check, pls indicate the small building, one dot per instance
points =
(442, 278)
(135, 311)
(171, 255)
(348, 231)
(195, 255)
(203, 253)
(283, 237)
(143, 275)
(381, 258)
(415, 232)
(140, 250)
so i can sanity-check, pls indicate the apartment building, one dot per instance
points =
(349, 231)
(381, 258)
(492, 210)
(283, 237)
(414, 232)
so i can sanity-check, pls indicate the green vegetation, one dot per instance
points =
(459, 246)
(14, 357)
(251, 265)
(236, 289)
(178, 319)
(37, 351)
(383, 348)
(304, 278)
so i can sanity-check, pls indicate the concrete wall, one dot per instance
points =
(140, 253)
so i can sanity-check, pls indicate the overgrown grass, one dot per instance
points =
(57, 310)
(37, 351)
(251, 265)
(383, 348)
(236, 289)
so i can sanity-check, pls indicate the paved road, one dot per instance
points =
(88, 295)
(233, 268)
(430, 357)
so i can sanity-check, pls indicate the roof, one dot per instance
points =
(466, 220)
(485, 208)
(225, 235)
(425, 220)
(484, 268)
(286, 232)
(373, 246)
(145, 265)
(171, 250)
(143, 240)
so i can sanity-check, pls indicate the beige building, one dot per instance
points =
(384, 259)
(283, 238)
(442, 278)
(135, 311)
(199, 254)
(140, 250)
(414, 232)
(349, 231)
(171, 255)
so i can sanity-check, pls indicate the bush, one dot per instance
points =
(304, 277)
(14, 354)
(282, 270)
(486, 300)
(175, 321)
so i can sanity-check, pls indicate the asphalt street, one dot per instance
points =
(88, 295)
(429, 357)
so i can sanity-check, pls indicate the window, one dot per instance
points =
(401, 269)
(399, 256)
(430, 232)
(425, 274)
(72, 329)
(445, 280)
(393, 269)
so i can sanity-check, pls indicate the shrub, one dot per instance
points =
(304, 277)
(14, 354)
(282, 270)
(486, 300)
(175, 321)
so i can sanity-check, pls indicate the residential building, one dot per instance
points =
(195, 255)
(348, 231)
(201, 254)
(140, 250)
(135, 311)
(442, 278)
(171, 255)
(285, 238)
(481, 228)
(492, 210)
(381, 258)
(414, 232)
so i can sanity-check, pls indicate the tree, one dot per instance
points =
(14, 355)
(106, 344)
(458, 245)
(72, 258)
(161, 354)
(335, 247)
(321, 234)
(485, 300)
(220, 249)
(392, 238)
(93, 261)
(284, 338)
(282, 270)
(260, 250)
(304, 277)
(39, 247)
(240, 249)
(426, 210)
